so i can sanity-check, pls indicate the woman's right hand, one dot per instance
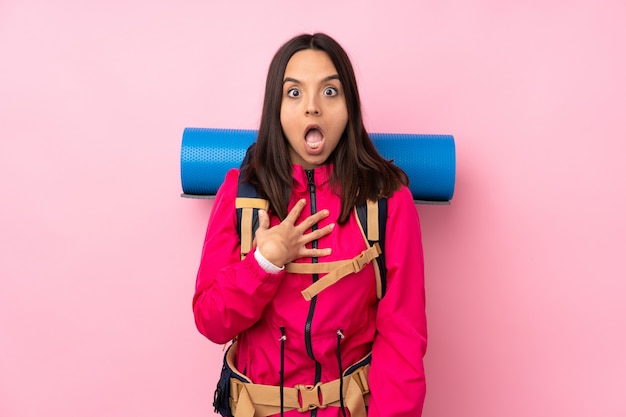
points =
(286, 242)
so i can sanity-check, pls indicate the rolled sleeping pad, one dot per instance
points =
(429, 160)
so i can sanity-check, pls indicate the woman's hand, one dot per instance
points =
(286, 242)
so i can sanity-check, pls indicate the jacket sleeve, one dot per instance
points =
(396, 376)
(230, 294)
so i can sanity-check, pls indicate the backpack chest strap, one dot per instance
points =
(335, 270)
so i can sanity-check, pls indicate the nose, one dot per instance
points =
(312, 107)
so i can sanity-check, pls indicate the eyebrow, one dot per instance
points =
(330, 77)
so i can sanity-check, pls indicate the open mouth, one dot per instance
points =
(314, 137)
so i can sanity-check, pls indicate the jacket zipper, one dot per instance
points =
(309, 320)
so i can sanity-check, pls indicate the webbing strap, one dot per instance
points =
(248, 206)
(246, 231)
(372, 220)
(319, 268)
(247, 202)
(352, 266)
(257, 400)
(370, 229)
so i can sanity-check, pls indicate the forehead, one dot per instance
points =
(310, 64)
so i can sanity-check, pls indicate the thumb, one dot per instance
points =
(264, 220)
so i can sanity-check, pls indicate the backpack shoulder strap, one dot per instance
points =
(247, 204)
(372, 218)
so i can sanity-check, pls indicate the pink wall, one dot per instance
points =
(525, 275)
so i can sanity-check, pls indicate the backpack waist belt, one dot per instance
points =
(257, 400)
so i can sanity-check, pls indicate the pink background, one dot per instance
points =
(98, 253)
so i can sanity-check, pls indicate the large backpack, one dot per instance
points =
(372, 218)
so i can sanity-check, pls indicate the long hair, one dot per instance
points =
(362, 174)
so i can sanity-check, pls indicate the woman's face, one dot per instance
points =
(313, 112)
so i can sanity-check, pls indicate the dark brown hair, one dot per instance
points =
(362, 174)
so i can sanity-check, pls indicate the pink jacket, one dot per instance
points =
(238, 298)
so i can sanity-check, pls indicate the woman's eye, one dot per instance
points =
(330, 91)
(293, 92)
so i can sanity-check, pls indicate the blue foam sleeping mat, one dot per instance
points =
(428, 160)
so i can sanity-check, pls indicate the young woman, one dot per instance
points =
(314, 162)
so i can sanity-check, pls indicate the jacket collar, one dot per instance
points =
(321, 176)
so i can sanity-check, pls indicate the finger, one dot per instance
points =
(317, 234)
(314, 219)
(264, 220)
(314, 253)
(296, 211)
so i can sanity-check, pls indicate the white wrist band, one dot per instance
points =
(265, 264)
